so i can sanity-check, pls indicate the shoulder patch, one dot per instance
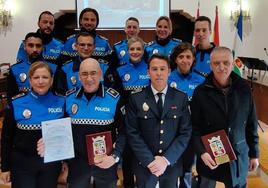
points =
(71, 91)
(102, 37)
(18, 61)
(200, 73)
(102, 61)
(71, 36)
(18, 96)
(66, 62)
(112, 92)
(136, 90)
(150, 43)
(177, 40)
(117, 43)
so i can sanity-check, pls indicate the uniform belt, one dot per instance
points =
(133, 87)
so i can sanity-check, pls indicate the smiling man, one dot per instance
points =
(224, 102)
(158, 128)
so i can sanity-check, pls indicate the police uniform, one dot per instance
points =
(163, 48)
(151, 133)
(101, 112)
(186, 83)
(102, 47)
(121, 50)
(203, 60)
(68, 76)
(51, 51)
(21, 131)
(18, 79)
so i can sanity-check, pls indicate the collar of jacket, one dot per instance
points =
(99, 92)
(205, 51)
(164, 41)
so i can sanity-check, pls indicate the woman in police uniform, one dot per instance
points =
(22, 129)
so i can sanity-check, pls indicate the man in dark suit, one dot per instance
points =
(158, 128)
(224, 102)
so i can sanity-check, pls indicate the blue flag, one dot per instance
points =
(239, 25)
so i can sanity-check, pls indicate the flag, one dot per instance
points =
(239, 26)
(197, 15)
(216, 29)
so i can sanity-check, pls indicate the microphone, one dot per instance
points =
(266, 51)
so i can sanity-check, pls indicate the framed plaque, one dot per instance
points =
(219, 147)
(98, 145)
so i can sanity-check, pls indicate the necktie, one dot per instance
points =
(160, 103)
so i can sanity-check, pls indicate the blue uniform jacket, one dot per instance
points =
(186, 83)
(101, 113)
(22, 123)
(150, 134)
(51, 51)
(153, 47)
(121, 50)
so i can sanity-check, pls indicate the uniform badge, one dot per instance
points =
(27, 113)
(173, 84)
(155, 51)
(74, 108)
(145, 107)
(73, 80)
(127, 77)
(73, 46)
(23, 77)
(122, 53)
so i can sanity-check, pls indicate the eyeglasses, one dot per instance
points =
(83, 45)
(85, 75)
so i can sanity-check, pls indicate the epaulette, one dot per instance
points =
(103, 37)
(113, 92)
(18, 61)
(71, 91)
(200, 73)
(136, 90)
(150, 43)
(102, 61)
(59, 94)
(18, 96)
(176, 89)
(117, 43)
(71, 36)
(177, 40)
(68, 61)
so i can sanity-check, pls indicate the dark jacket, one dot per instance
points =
(234, 112)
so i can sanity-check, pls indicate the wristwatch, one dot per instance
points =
(116, 158)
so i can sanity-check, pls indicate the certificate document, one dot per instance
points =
(58, 139)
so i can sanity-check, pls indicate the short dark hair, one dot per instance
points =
(84, 34)
(180, 49)
(45, 12)
(204, 18)
(94, 11)
(158, 56)
(133, 19)
(33, 34)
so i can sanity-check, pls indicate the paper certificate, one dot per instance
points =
(58, 139)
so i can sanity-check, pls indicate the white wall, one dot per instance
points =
(255, 37)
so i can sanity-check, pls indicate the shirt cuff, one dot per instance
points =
(166, 160)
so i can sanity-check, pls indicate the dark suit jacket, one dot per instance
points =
(150, 134)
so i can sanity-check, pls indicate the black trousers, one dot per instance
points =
(204, 182)
(128, 175)
(80, 173)
(31, 172)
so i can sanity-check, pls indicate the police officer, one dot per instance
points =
(88, 21)
(132, 29)
(94, 109)
(186, 80)
(163, 43)
(202, 32)
(18, 79)
(52, 47)
(20, 163)
(68, 77)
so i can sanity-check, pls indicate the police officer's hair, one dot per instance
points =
(94, 11)
(203, 19)
(133, 40)
(221, 49)
(37, 65)
(84, 34)
(45, 12)
(166, 19)
(33, 34)
(158, 56)
(180, 49)
(132, 19)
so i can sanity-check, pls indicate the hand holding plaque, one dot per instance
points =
(219, 147)
(99, 145)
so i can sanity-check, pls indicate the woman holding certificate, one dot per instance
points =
(22, 129)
